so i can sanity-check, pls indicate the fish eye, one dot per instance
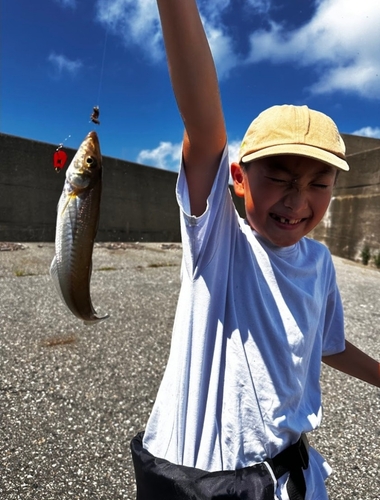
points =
(91, 162)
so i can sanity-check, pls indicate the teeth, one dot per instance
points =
(283, 220)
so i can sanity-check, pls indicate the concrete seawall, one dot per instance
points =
(352, 221)
(138, 202)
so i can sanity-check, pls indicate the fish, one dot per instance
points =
(76, 227)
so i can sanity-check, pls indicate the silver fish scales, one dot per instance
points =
(77, 225)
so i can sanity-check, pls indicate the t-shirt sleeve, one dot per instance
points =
(202, 235)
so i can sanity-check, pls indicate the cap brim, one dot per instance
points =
(301, 150)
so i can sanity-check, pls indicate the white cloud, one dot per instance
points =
(221, 46)
(368, 132)
(214, 10)
(260, 5)
(63, 65)
(137, 22)
(166, 156)
(341, 41)
(233, 151)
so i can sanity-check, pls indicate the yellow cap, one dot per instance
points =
(294, 130)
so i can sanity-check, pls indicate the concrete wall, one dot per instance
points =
(138, 202)
(353, 219)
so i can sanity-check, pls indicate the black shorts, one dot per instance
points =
(158, 479)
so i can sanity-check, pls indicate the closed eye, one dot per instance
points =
(276, 179)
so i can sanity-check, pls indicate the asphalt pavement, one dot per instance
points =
(72, 396)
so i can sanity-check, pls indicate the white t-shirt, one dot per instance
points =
(252, 322)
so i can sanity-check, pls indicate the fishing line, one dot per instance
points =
(94, 118)
(60, 156)
(61, 144)
(103, 63)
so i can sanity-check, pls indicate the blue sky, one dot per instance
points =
(59, 58)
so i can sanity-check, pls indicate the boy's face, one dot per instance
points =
(285, 196)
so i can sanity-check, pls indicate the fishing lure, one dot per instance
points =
(95, 115)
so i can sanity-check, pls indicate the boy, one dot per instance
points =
(259, 306)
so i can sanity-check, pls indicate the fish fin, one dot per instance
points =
(69, 197)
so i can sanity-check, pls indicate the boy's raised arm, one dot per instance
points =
(196, 89)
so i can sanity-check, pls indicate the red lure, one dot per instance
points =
(59, 159)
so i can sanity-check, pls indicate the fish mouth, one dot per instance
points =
(91, 146)
(93, 136)
(286, 221)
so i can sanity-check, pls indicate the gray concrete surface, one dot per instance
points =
(72, 397)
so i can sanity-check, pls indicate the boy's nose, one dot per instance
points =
(296, 199)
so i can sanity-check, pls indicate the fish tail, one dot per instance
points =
(95, 319)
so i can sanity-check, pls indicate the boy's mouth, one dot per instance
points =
(284, 220)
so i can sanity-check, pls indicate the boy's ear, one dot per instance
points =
(238, 176)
